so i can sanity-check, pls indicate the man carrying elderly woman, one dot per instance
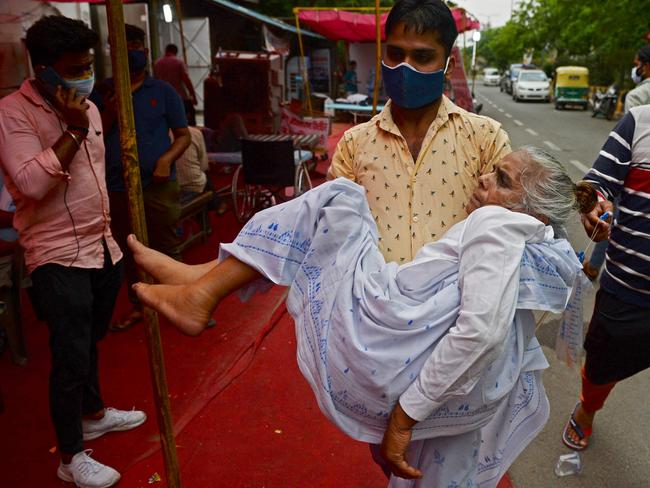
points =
(435, 359)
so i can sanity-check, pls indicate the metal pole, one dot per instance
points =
(154, 19)
(303, 68)
(129, 150)
(473, 65)
(179, 14)
(375, 94)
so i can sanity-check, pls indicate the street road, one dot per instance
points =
(619, 452)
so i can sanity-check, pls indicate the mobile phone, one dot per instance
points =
(50, 79)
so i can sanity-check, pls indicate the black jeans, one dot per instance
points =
(77, 304)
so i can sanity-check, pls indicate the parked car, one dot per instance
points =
(513, 72)
(491, 77)
(532, 84)
(508, 81)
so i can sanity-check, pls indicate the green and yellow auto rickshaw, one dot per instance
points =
(571, 87)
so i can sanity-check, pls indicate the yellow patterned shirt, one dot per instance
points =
(416, 202)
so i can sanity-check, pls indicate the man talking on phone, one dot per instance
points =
(52, 157)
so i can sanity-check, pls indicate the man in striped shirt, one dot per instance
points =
(618, 340)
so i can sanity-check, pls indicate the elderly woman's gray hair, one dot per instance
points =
(549, 190)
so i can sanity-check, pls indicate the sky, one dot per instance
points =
(494, 12)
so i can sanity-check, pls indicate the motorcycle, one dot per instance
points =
(604, 103)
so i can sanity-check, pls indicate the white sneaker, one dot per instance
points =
(112, 421)
(85, 472)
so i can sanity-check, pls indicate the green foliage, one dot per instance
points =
(603, 35)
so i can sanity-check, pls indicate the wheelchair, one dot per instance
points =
(269, 166)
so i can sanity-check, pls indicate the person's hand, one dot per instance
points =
(592, 220)
(162, 171)
(73, 107)
(395, 443)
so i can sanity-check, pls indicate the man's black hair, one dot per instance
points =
(644, 54)
(134, 33)
(171, 48)
(51, 37)
(424, 16)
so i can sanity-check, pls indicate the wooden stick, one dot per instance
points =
(179, 15)
(303, 67)
(129, 149)
(375, 94)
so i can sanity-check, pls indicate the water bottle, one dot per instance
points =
(568, 464)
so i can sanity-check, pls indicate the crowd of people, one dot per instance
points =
(436, 213)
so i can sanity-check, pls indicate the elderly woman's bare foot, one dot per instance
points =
(188, 307)
(163, 268)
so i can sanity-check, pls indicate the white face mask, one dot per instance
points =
(636, 75)
(83, 86)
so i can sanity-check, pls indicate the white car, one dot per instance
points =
(491, 77)
(531, 84)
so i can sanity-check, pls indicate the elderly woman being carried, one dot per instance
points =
(436, 359)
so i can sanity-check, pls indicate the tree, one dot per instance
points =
(600, 34)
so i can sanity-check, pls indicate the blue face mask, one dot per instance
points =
(410, 88)
(137, 60)
(83, 86)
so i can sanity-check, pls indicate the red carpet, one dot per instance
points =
(243, 414)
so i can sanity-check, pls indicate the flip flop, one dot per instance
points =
(583, 433)
(125, 323)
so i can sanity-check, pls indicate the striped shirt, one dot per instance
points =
(623, 170)
(193, 163)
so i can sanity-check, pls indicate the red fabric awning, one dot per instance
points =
(82, 1)
(339, 25)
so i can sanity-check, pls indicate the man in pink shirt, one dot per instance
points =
(174, 71)
(52, 157)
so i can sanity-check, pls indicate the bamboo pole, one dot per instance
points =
(375, 94)
(179, 14)
(303, 68)
(129, 150)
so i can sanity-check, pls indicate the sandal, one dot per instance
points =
(125, 323)
(583, 433)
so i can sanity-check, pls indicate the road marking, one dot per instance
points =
(508, 115)
(579, 165)
(519, 123)
(552, 146)
(532, 132)
(501, 110)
